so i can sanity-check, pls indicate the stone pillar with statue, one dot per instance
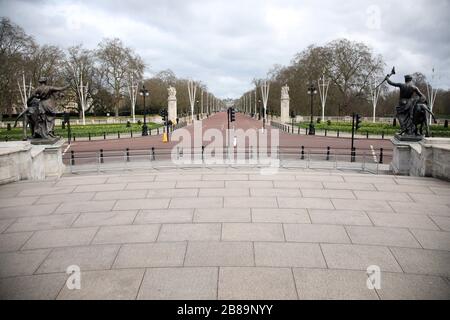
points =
(172, 104)
(285, 104)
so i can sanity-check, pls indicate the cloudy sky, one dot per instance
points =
(227, 43)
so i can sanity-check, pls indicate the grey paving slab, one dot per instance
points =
(179, 284)
(60, 238)
(436, 240)
(120, 195)
(382, 236)
(170, 193)
(222, 215)
(28, 211)
(397, 286)
(42, 223)
(21, 263)
(402, 220)
(249, 184)
(252, 232)
(76, 181)
(402, 188)
(85, 206)
(179, 177)
(271, 177)
(169, 254)
(430, 198)
(13, 241)
(298, 184)
(70, 197)
(276, 215)
(327, 193)
(164, 216)
(100, 187)
(222, 192)
(420, 208)
(381, 195)
(368, 205)
(306, 203)
(189, 202)
(348, 186)
(200, 184)
(250, 202)
(37, 287)
(106, 285)
(339, 217)
(9, 192)
(220, 254)
(248, 283)
(442, 191)
(316, 284)
(86, 257)
(5, 223)
(442, 222)
(282, 254)
(131, 179)
(136, 204)
(369, 179)
(415, 181)
(150, 185)
(127, 234)
(17, 201)
(357, 257)
(315, 233)
(421, 261)
(190, 232)
(271, 192)
(321, 178)
(225, 177)
(113, 218)
(42, 191)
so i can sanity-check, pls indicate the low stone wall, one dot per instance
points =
(20, 160)
(427, 158)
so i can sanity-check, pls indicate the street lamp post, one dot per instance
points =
(144, 93)
(312, 91)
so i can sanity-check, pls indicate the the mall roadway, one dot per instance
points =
(292, 142)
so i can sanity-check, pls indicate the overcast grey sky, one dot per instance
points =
(227, 43)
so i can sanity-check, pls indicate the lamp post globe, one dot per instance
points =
(144, 93)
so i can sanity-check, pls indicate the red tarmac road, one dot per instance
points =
(219, 121)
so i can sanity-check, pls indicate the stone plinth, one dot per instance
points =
(20, 160)
(427, 158)
(172, 109)
(285, 110)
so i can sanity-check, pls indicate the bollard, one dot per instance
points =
(118, 134)
(6, 139)
(104, 135)
(298, 130)
(128, 155)
(72, 157)
(367, 134)
(157, 131)
(73, 137)
(328, 153)
(303, 153)
(382, 135)
(353, 155)
(101, 156)
(326, 132)
(381, 156)
(89, 136)
(203, 152)
(153, 153)
(131, 132)
(337, 133)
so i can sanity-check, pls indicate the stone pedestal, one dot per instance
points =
(285, 117)
(20, 160)
(172, 109)
(429, 157)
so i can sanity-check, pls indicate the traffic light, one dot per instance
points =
(163, 114)
(232, 115)
(358, 121)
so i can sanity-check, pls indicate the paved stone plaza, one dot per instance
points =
(225, 234)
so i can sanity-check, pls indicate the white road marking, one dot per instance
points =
(374, 154)
(65, 150)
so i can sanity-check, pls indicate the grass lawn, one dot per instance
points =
(81, 131)
(372, 128)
